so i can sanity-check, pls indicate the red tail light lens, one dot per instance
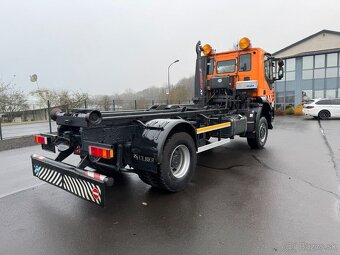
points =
(77, 151)
(40, 139)
(100, 152)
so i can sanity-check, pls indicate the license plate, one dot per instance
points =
(69, 178)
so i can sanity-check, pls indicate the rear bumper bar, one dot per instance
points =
(87, 185)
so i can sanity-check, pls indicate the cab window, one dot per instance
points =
(267, 70)
(227, 66)
(210, 66)
(245, 62)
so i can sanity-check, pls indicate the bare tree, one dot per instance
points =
(62, 98)
(12, 100)
(105, 102)
(44, 94)
(101, 102)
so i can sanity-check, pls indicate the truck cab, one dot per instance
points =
(245, 73)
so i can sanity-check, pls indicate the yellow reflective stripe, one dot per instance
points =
(213, 127)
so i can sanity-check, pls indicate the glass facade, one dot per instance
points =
(307, 77)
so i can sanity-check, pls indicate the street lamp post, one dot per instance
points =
(169, 78)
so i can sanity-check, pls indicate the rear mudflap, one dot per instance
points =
(84, 184)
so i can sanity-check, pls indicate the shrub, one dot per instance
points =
(290, 110)
(298, 110)
(279, 112)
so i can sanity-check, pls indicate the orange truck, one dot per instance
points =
(233, 97)
(243, 73)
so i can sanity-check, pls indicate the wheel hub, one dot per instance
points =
(180, 161)
(263, 132)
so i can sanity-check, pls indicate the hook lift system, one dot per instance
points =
(234, 95)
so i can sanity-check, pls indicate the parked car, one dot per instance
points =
(322, 108)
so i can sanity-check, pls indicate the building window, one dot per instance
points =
(280, 97)
(330, 93)
(307, 62)
(318, 94)
(319, 64)
(319, 73)
(331, 72)
(290, 64)
(280, 86)
(307, 74)
(332, 59)
(307, 95)
(307, 66)
(290, 97)
(319, 61)
(307, 89)
(290, 76)
(290, 69)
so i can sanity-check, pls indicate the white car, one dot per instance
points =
(322, 108)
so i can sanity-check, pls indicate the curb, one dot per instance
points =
(23, 123)
(18, 142)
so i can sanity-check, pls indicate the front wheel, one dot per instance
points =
(177, 166)
(261, 134)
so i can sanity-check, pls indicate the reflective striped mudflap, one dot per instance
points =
(69, 178)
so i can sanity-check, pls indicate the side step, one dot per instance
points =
(213, 145)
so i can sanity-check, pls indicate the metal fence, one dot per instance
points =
(37, 119)
(134, 104)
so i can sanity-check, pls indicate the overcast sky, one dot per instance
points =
(107, 46)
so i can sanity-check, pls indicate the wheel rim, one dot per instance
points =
(180, 161)
(263, 132)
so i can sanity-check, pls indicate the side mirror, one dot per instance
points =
(198, 48)
(280, 73)
(281, 63)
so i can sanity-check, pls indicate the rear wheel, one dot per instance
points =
(261, 134)
(324, 115)
(177, 167)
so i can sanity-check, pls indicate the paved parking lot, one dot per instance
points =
(280, 200)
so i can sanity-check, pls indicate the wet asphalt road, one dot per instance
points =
(281, 200)
(15, 130)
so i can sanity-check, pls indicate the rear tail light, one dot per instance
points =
(100, 152)
(309, 107)
(40, 139)
(77, 151)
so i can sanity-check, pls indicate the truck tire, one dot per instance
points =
(177, 167)
(261, 134)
